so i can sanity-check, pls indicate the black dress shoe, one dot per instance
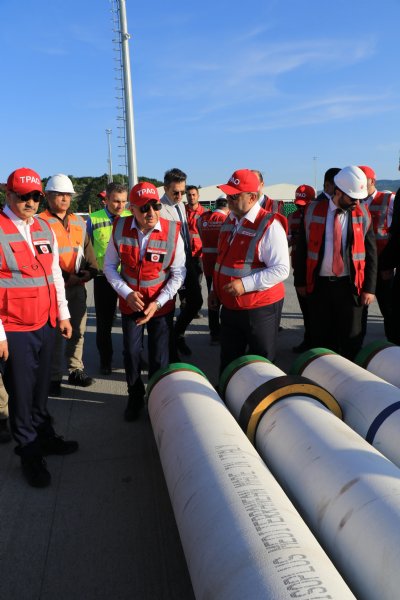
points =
(5, 435)
(182, 346)
(35, 471)
(133, 409)
(105, 370)
(57, 445)
(303, 347)
(79, 378)
(55, 388)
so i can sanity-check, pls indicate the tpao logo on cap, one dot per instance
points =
(29, 179)
(234, 180)
(146, 191)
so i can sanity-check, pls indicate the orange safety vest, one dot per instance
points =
(209, 225)
(240, 258)
(27, 294)
(314, 224)
(149, 274)
(379, 209)
(192, 217)
(69, 239)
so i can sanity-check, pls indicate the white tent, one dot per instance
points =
(279, 191)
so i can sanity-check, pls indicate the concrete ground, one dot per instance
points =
(105, 528)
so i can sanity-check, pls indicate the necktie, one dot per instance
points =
(337, 258)
(184, 231)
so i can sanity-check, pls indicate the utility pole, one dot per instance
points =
(109, 160)
(315, 173)
(129, 122)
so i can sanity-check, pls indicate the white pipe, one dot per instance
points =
(241, 535)
(370, 405)
(382, 359)
(347, 492)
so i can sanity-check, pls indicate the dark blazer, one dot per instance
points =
(390, 255)
(371, 260)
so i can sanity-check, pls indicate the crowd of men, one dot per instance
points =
(143, 252)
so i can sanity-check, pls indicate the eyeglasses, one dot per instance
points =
(178, 193)
(233, 196)
(146, 207)
(36, 196)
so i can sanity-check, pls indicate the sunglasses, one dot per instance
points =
(154, 205)
(36, 197)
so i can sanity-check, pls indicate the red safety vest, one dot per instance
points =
(149, 274)
(209, 225)
(379, 209)
(314, 223)
(69, 239)
(240, 258)
(273, 206)
(27, 293)
(192, 217)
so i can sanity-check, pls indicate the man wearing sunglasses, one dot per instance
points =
(252, 263)
(32, 307)
(150, 253)
(173, 209)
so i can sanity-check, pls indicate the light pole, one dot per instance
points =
(315, 158)
(110, 176)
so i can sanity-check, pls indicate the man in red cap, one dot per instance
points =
(32, 305)
(151, 255)
(303, 196)
(252, 263)
(380, 204)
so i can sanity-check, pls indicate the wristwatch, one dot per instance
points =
(158, 305)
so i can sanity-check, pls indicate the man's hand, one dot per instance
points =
(212, 301)
(4, 350)
(235, 288)
(73, 280)
(148, 313)
(302, 291)
(84, 276)
(366, 298)
(65, 328)
(135, 302)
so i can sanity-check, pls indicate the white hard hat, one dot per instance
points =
(60, 183)
(353, 182)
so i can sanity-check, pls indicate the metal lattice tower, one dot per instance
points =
(125, 127)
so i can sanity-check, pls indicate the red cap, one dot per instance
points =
(142, 192)
(23, 181)
(243, 180)
(304, 194)
(102, 194)
(369, 173)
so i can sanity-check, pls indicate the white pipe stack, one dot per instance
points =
(370, 405)
(382, 359)
(347, 492)
(241, 536)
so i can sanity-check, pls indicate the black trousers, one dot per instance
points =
(26, 376)
(193, 296)
(253, 331)
(105, 301)
(158, 329)
(214, 324)
(305, 311)
(335, 316)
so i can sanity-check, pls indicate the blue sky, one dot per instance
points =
(216, 86)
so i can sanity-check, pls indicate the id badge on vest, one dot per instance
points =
(42, 246)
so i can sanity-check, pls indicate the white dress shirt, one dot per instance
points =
(326, 264)
(24, 228)
(177, 268)
(273, 251)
